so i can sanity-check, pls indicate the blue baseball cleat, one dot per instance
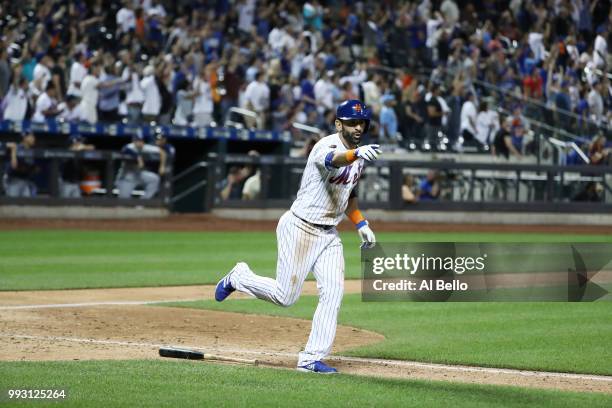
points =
(318, 367)
(224, 287)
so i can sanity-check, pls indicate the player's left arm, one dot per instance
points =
(368, 240)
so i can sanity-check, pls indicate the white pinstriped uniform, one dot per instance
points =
(308, 241)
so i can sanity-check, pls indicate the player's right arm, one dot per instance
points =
(341, 159)
(13, 148)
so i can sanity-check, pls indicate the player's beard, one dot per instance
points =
(350, 138)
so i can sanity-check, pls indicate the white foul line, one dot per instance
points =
(88, 304)
(397, 363)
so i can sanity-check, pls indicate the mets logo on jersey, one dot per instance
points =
(345, 176)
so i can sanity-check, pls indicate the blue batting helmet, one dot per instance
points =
(354, 109)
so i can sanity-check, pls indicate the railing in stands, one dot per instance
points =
(148, 131)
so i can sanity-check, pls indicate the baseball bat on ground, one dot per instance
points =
(199, 355)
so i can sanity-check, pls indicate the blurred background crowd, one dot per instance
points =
(442, 74)
(416, 63)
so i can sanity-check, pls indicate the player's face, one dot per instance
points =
(351, 130)
(29, 140)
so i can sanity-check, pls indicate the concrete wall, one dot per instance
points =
(73, 212)
(451, 217)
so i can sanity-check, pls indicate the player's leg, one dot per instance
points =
(298, 248)
(13, 187)
(126, 184)
(151, 183)
(329, 272)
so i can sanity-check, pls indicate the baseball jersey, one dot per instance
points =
(325, 190)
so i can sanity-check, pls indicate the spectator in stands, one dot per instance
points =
(348, 91)
(58, 75)
(598, 153)
(409, 193)
(72, 169)
(231, 187)
(78, 72)
(324, 90)
(308, 146)
(518, 118)
(251, 189)
(434, 115)
(307, 95)
(455, 104)
(518, 134)
(487, 125)
(233, 80)
(5, 72)
(372, 92)
(70, 109)
(46, 105)
(203, 104)
(133, 171)
(134, 96)
(42, 75)
(257, 98)
(89, 94)
(388, 120)
(450, 11)
(468, 120)
(151, 95)
(600, 48)
(596, 102)
(183, 114)
(108, 97)
(416, 113)
(15, 102)
(590, 193)
(533, 89)
(502, 144)
(563, 105)
(126, 18)
(21, 170)
(90, 89)
(582, 110)
(429, 188)
(163, 80)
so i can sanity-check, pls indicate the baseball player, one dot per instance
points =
(72, 169)
(21, 168)
(307, 236)
(133, 172)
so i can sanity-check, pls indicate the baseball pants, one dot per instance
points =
(16, 187)
(303, 247)
(132, 179)
(69, 190)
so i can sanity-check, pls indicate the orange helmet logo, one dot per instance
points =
(357, 108)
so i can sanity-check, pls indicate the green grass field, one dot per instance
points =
(77, 259)
(568, 337)
(193, 384)
(572, 337)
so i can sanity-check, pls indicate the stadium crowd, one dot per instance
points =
(426, 68)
